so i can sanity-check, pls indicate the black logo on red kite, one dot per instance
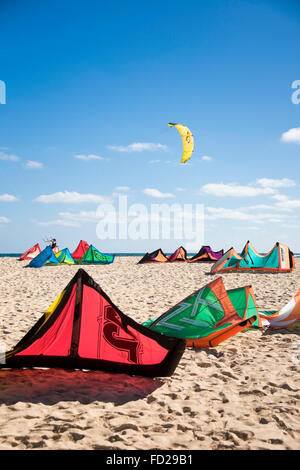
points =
(112, 330)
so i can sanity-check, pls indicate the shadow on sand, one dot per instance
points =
(210, 352)
(50, 386)
(282, 331)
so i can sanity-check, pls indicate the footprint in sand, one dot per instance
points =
(264, 421)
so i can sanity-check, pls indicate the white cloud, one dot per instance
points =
(8, 198)
(72, 219)
(285, 203)
(248, 227)
(87, 216)
(124, 189)
(137, 147)
(6, 156)
(230, 214)
(261, 207)
(234, 190)
(71, 198)
(242, 214)
(154, 161)
(272, 183)
(59, 222)
(206, 158)
(33, 164)
(179, 189)
(288, 204)
(291, 136)
(4, 220)
(88, 157)
(156, 193)
(280, 197)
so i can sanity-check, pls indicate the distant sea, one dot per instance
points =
(10, 255)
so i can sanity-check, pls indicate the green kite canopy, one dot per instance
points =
(94, 256)
(209, 316)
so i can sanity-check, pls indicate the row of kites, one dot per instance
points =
(279, 259)
(84, 329)
(83, 254)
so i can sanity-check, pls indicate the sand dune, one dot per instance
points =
(244, 394)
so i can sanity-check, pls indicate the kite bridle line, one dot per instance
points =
(48, 240)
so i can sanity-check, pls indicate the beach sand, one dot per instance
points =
(243, 394)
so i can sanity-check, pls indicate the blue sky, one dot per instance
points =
(91, 79)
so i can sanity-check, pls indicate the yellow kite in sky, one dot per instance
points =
(187, 140)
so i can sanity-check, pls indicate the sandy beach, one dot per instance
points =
(244, 394)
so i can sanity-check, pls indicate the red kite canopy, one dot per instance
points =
(83, 329)
(80, 250)
(31, 253)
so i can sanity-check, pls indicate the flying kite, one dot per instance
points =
(187, 140)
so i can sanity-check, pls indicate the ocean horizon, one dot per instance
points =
(17, 255)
